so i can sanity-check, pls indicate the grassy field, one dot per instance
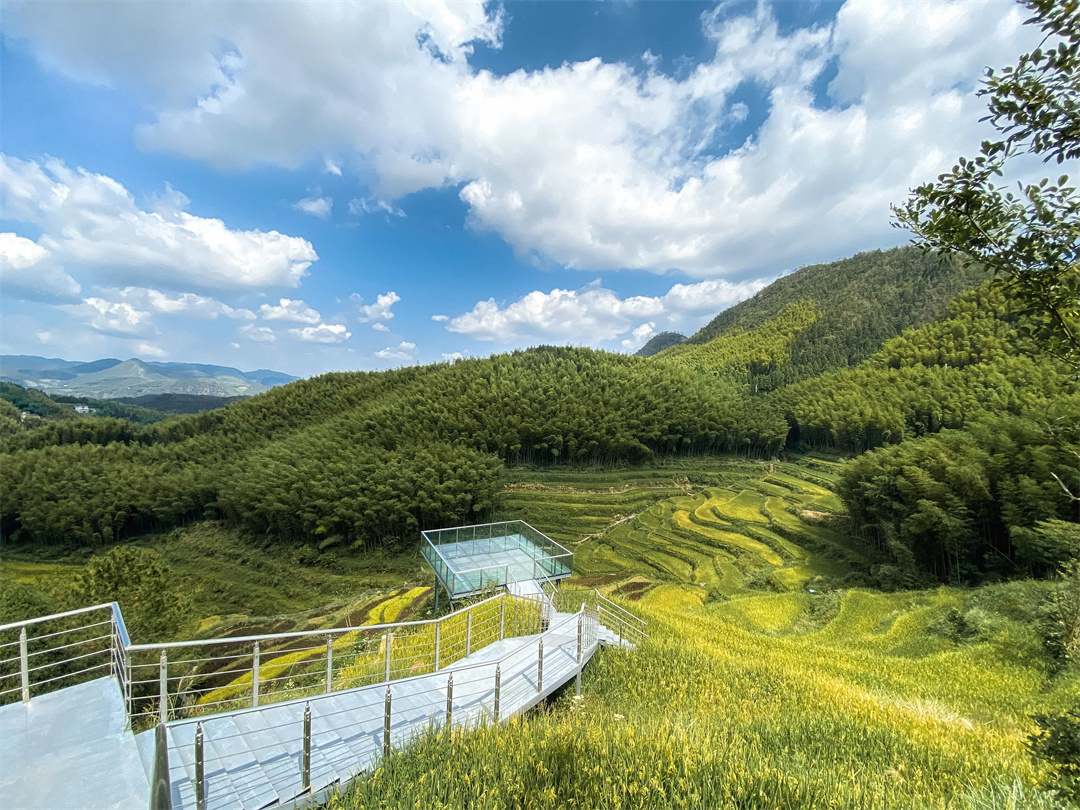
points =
(236, 586)
(768, 681)
(775, 677)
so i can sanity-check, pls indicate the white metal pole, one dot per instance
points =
(468, 632)
(163, 686)
(255, 676)
(438, 627)
(329, 664)
(386, 672)
(24, 666)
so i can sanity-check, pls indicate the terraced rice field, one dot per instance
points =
(727, 527)
(768, 680)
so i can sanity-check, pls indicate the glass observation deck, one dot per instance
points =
(471, 559)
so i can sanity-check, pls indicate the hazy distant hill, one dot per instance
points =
(110, 378)
(665, 340)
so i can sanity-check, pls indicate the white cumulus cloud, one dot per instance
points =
(316, 206)
(289, 310)
(322, 333)
(188, 305)
(258, 334)
(639, 336)
(115, 318)
(404, 351)
(380, 327)
(146, 349)
(379, 311)
(25, 271)
(372, 205)
(595, 165)
(594, 314)
(91, 221)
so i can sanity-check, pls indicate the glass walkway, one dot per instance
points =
(470, 559)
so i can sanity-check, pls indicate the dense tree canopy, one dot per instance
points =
(1031, 237)
(860, 303)
(974, 422)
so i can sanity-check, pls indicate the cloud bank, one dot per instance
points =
(593, 165)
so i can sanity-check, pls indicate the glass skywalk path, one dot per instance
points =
(468, 560)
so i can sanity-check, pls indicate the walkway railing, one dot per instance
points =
(465, 696)
(549, 558)
(50, 652)
(195, 678)
(174, 680)
(613, 616)
(190, 679)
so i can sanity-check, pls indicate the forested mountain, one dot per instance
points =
(657, 343)
(29, 402)
(860, 303)
(111, 378)
(370, 457)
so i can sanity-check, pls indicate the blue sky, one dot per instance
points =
(364, 185)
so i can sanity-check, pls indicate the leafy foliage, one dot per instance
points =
(962, 503)
(1057, 742)
(946, 374)
(152, 605)
(1032, 237)
(743, 355)
(366, 456)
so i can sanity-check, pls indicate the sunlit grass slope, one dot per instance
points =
(766, 683)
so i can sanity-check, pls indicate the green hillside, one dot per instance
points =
(773, 677)
(879, 631)
(364, 460)
(861, 302)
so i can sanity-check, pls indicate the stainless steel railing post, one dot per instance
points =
(24, 666)
(160, 789)
(386, 725)
(540, 668)
(498, 683)
(305, 765)
(468, 632)
(449, 700)
(386, 664)
(438, 627)
(502, 618)
(129, 696)
(163, 687)
(200, 770)
(329, 664)
(577, 677)
(255, 676)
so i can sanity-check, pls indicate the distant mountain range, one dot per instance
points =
(110, 378)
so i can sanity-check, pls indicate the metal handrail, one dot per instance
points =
(54, 616)
(626, 613)
(385, 652)
(289, 736)
(456, 669)
(552, 550)
(301, 633)
(555, 543)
